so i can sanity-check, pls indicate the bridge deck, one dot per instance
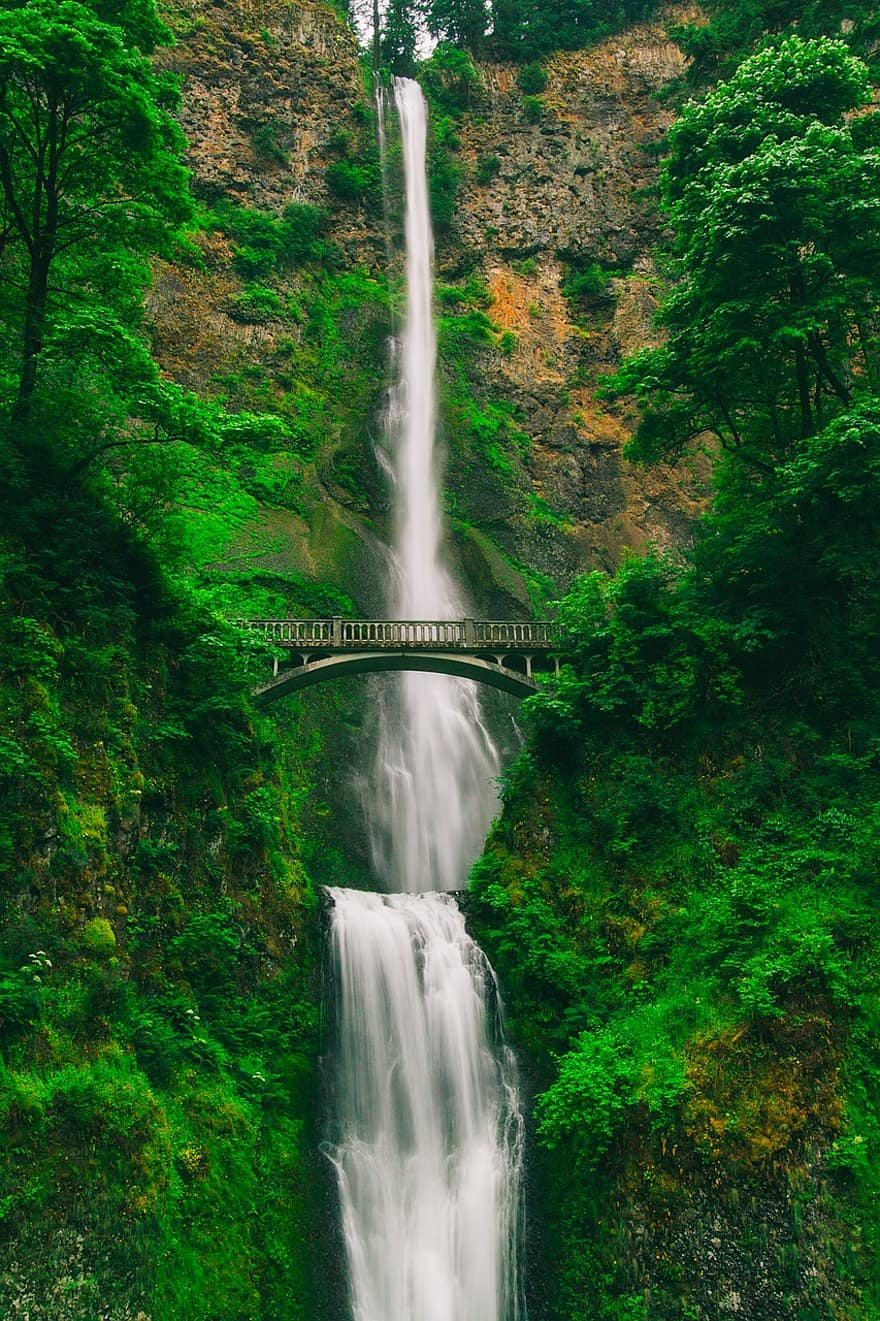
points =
(467, 635)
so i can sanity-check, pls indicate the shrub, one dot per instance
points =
(533, 110)
(267, 145)
(589, 286)
(532, 79)
(264, 243)
(585, 1105)
(256, 305)
(450, 79)
(487, 169)
(351, 181)
(19, 1002)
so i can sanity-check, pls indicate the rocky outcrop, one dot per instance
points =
(266, 85)
(572, 173)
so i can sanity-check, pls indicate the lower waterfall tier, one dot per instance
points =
(429, 1134)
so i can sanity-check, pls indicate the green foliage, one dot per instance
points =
(98, 937)
(21, 997)
(444, 173)
(523, 30)
(733, 30)
(265, 243)
(587, 1103)
(533, 109)
(531, 79)
(256, 305)
(88, 147)
(353, 181)
(450, 79)
(488, 168)
(588, 288)
(638, 655)
(267, 144)
(157, 1029)
(679, 897)
(398, 38)
(769, 329)
(457, 22)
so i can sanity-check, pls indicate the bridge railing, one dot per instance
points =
(438, 634)
(512, 636)
(431, 634)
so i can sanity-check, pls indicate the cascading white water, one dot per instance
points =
(432, 793)
(428, 1131)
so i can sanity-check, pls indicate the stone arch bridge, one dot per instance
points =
(509, 656)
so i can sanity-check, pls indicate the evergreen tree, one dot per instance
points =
(399, 37)
(523, 29)
(734, 30)
(460, 22)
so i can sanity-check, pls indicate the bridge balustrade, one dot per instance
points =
(300, 632)
(441, 635)
(512, 635)
(402, 633)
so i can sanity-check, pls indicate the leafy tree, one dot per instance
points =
(88, 150)
(139, 24)
(771, 328)
(733, 30)
(450, 79)
(461, 22)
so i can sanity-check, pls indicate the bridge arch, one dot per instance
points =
(312, 672)
(504, 654)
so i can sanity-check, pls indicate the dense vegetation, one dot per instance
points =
(158, 983)
(527, 30)
(681, 895)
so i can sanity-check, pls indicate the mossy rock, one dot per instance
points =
(98, 937)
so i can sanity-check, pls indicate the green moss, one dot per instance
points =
(531, 79)
(98, 937)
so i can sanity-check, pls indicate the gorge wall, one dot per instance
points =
(276, 111)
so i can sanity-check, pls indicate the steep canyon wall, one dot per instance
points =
(534, 191)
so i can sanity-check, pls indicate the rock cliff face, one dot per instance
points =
(570, 194)
(266, 84)
(547, 188)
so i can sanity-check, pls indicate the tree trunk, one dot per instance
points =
(796, 294)
(32, 336)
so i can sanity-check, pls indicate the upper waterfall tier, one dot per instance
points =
(432, 793)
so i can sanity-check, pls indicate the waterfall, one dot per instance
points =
(428, 1133)
(436, 762)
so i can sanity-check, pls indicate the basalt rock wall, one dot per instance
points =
(545, 187)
